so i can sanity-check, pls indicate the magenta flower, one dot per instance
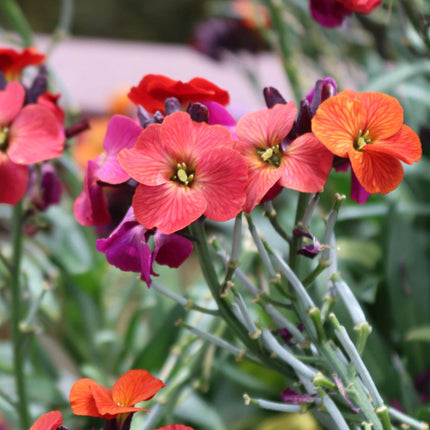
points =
(28, 135)
(127, 248)
(185, 169)
(329, 13)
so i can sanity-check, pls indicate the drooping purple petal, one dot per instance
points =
(218, 114)
(289, 395)
(328, 13)
(126, 248)
(299, 232)
(171, 249)
(121, 133)
(358, 193)
(343, 393)
(50, 186)
(323, 89)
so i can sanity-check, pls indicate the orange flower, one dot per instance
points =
(368, 129)
(91, 399)
(12, 62)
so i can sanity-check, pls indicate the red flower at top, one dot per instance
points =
(28, 135)
(50, 421)
(186, 169)
(153, 90)
(91, 399)
(361, 6)
(12, 62)
(368, 129)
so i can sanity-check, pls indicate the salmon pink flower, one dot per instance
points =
(153, 90)
(361, 6)
(28, 135)
(13, 62)
(302, 164)
(186, 169)
(93, 400)
(50, 421)
(368, 129)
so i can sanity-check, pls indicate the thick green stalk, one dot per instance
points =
(16, 313)
(13, 14)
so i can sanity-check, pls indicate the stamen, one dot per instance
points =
(271, 155)
(182, 174)
(4, 133)
(267, 154)
(362, 140)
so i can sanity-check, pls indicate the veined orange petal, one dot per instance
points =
(384, 114)
(50, 421)
(267, 127)
(306, 164)
(404, 145)
(338, 121)
(135, 386)
(82, 399)
(376, 172)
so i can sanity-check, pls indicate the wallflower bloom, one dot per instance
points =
(368, 129)
(153, 90)
(127, 248)
(361, 6)
(186, 169)
(50, 421)
(93, 400)
(328, 13)
(302, 164)
(12, 62)
(28, 135)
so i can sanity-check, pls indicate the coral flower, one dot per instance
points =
(361, 6)
(368, 129)
(186, 169)
(93, 400)
(153, 90)
(28, 135)
(50, 421)
(12, 62)
(302, 164)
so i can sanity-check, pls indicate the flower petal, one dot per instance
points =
(328, 13)
(16, 178)
(122, 132)
(135, 386)
(267, 127)
(82, 399)
(50, 421)
(221, 176)
(35, 136)
(376, 172)
(11, 101)
(358, 192)
(149, 161)
(171, 249)
(404, 145)
(169, 207)
(306, 164)
(338, 121)
(175, 427)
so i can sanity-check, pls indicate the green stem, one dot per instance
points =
(16, 311)
(13, 14)
(417, 20)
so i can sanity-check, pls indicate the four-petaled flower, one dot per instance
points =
(368, 129)
(93, 400)
(185, 169)
(302, 164)
(28, 135)
(153, 90)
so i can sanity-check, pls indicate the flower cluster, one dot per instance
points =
(189, 159)
(31, 124)
(116, 405)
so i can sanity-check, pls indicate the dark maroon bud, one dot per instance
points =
(198, 112)
(158, 117)
(273, 97)
(75, 129)
(145, 118)
(172, 105)
(38, 87)
(3, 81)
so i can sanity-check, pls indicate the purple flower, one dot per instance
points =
(328, 13)
(127, 248)
(312, 250)
(289, 395)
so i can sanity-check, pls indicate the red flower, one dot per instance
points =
(154, 89)
(368, 129)
(91, 399)
(302, 164)
(50, 421)
(361, 6)
(12, 62)
(28, 135)
(186, 169)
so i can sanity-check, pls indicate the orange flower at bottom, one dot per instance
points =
(368, 129)
(91, 399)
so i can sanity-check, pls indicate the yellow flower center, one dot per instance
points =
(4, 134)
(362, 140)
(271, 155)
(183, 174)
